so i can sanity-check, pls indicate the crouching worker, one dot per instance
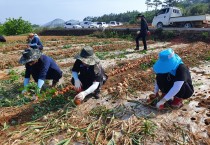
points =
(87, 74)
(40, 66)
(34, 41)
(173, 79)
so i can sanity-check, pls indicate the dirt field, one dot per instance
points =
(121, 115)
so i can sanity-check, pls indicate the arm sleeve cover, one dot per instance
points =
(40, 83)
(174, 90)
(26, 81)
(92, 88)
(75, 75)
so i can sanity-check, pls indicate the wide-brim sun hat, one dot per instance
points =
(87, 56)
(30, 55)
(167, 62)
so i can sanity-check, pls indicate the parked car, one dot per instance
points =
(85, 24)
(94, 25)
(119, 23)
(113, 23)
(102, 24)
(69, 25)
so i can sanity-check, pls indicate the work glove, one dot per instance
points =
(24, 91)
(25, 83)
(148, 33)
(35, 97)
(81, 95)
(137, 32)
(77, 85)
(160, 104)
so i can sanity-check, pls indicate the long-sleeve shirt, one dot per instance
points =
(36, 43)
(45, 68)
(143, 26)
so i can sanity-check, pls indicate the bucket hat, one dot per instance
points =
(168, 62)
(87, 56)
(29, 55)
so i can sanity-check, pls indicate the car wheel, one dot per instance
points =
(188, 25)
(159, 25)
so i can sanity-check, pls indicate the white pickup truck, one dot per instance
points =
(172, 16)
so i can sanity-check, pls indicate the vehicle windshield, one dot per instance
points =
(163, 11)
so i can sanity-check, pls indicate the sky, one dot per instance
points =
(43, 11)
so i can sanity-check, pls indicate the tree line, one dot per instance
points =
(188, 7)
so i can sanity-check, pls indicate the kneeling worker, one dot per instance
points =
(87, 74)
(172, 78)
(40, 66)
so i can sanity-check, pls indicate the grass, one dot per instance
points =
(101, 111)
(208, 58)
(67, 46)
(145, 66)
(102, 55)
(197, 84)
(47, 106)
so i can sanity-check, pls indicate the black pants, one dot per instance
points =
(185, 92)
(143, 36)
(86, 84)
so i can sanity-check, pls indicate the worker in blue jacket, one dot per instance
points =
(40, 66)
(143, 31)
(34, 41)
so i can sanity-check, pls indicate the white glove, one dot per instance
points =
(160, 104)
(23, 91)
(137, 32)
(77, 84)
(34, 97)
(81, 95)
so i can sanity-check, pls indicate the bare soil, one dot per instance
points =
(187, 125)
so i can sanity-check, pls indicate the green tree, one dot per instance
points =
(16, 26)
(148, 3)
(149, 15)
(156, 3)
(171, 2)
(1, 29)
(198, 9)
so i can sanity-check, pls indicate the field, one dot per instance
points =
(121, 116)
